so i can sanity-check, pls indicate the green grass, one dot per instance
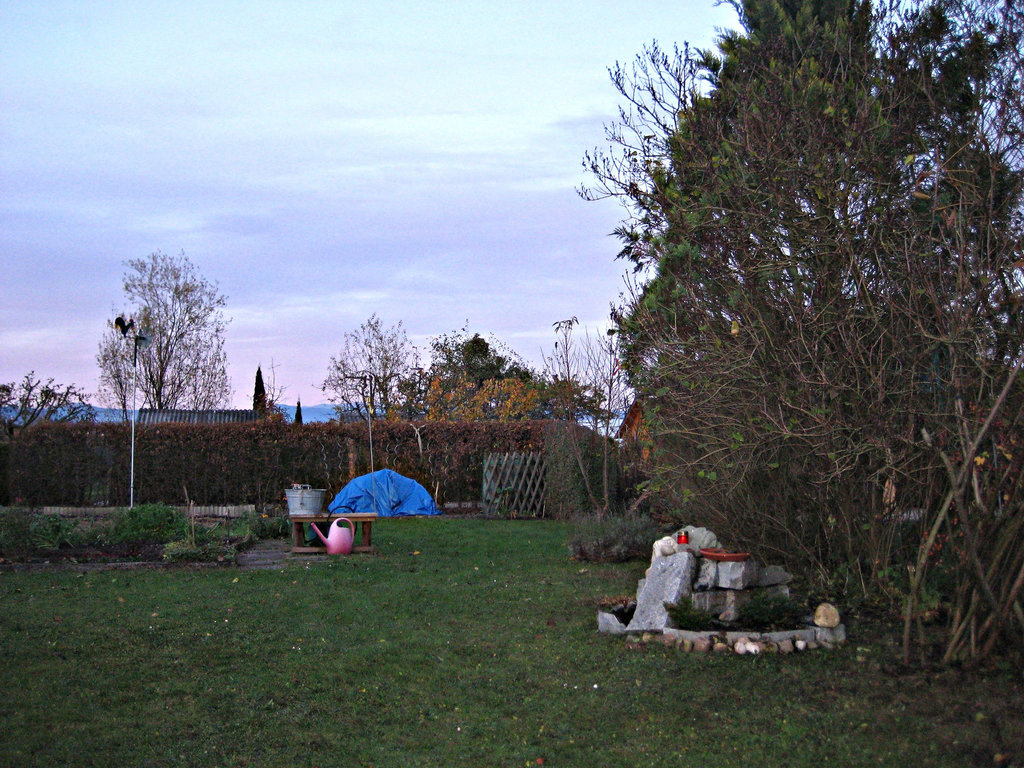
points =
(464, 643)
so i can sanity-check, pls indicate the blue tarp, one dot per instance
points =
(393, 493)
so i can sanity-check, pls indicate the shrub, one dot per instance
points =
(148, 522)
(613, 539)
(766, 611)
(47, 531)
(268, 526)
(14, 533)
(684, 616)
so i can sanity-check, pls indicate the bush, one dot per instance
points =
(268, 526)
(613, 539)
(684, 616)
(15, 525)
(148, 522)
(765, 611)
(46, 531)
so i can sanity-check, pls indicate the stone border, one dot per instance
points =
(807, 638)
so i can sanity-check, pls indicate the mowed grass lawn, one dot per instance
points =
(463, 643)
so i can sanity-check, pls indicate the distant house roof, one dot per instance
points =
(176, 416)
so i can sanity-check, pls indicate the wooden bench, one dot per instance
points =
(364, 521)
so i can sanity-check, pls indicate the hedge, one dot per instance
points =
(88, 464)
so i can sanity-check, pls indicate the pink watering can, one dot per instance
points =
(338, 540)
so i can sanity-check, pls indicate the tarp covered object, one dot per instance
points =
(385, 492)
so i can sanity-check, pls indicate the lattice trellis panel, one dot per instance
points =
(514, 484)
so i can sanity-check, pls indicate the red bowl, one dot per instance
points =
(725, 557)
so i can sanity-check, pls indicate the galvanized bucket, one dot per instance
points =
(303, 500)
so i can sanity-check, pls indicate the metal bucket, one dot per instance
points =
(303, 500)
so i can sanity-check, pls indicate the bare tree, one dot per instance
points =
(32, 400)
(182, 314)
(589, 388)
(368, 371)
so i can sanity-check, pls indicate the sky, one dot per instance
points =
(319, 162)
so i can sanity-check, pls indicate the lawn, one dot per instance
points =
(464, 643)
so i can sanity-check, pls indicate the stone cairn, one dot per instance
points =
(678, 572)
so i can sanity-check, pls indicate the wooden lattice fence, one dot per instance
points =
(514, 484)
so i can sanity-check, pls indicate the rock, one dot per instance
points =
(701, 645)
(718, 600)
(707, 576)
(826, 615)
(701, 538)
(730, 614)
(771, 575)
(609, 622)
(686, 644)
(800, 645)
(668, 581)
(777, 590)
(786, 646)
(663, 547)
(737, 575)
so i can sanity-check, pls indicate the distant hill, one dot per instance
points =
(310, 413)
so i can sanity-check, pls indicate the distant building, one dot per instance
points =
(149, 416)
(634, 429)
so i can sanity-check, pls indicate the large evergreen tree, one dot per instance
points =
(826, 214)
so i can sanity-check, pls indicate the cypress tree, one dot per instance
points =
(259, 393)
(298, 412)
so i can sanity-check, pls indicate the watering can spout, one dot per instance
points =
(316, 529)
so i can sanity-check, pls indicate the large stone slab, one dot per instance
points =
(737, 575)
(727, 575)
(669, 580)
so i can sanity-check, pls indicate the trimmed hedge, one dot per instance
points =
(87, 464)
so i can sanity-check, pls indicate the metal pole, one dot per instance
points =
(131, 482)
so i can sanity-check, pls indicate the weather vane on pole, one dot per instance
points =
(141, 341)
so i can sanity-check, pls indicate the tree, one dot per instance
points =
(827, 212)
(181, 313)
(259, 393)
(33, 400)
(366, 377)
(588, 387)
(471, 379)
(298, 412)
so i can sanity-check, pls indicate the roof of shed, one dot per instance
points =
(178, 416)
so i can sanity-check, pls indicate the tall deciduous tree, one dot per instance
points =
(367, 374)
(588, 386)
(182, 314)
